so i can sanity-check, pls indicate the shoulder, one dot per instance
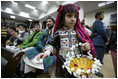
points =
(39, 32)
(96, 21)
(45, 31)
(58, 32)
(26, 33)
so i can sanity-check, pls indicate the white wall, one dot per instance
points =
(90, 17)
(81, 12)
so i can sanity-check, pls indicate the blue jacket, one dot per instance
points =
(99, 34)
(42, 40)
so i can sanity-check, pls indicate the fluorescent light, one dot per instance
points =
(35, 10)
(24, 14)
(29, 20)
(68, 2)
(9, 10)
(12, 17)
(44, 2)
(29, 6)
(101, 4)
(14, 2)
(109, 2)
(105, 3)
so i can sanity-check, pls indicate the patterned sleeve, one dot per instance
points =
(24, 37)
(55, 44)
(40, 44)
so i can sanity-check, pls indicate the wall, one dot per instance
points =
(90, 17)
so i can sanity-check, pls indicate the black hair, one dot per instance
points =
(49, 17)
(24, 25)
(98, 14)
(12, 27)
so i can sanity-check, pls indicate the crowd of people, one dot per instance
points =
(53, 44)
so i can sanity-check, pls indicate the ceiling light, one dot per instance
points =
(101, 4)
(29, 6)
(24, 14)
(29, 20)
(105, 3)
(44, 2)
(68, 2)
(109, 2)
(14, 2)
(13, 17)
(35, 10)
(9, 10)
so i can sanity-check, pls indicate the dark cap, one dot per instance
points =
(24, 25)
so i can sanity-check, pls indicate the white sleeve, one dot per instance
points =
(47, 52)
(48, 49)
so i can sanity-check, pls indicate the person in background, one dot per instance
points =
(20, 38)
(22, 34)
(45, 38)
(113, 46)
(86, 27)
(12, 32)
(83, 22)
(30, 42)
(99, 37)
(32, 39)
(17, 28)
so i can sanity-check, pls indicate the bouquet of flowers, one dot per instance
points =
(81, 66)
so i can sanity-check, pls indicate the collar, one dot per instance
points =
(67, 28)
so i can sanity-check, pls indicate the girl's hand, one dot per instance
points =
(86, 46)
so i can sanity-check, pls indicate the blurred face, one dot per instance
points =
(17, 28)
(37, 28)
(49, 23)
(70, 19)
(21, 28)
(11, 31)
(101, 17)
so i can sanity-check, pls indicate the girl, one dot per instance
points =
(68, 32)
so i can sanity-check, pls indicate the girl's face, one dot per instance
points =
(70, 19)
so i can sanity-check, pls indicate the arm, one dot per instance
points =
(35, 40)
(100, 29)
(24, 37)
(24, 44)
(40, 44)
(50, 48)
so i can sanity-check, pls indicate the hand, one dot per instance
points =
(18, 46)
(21, 48)
(107, 42)
(8, 42)
(42, 55)
(15, 35)
(43, 50)
(86, 46)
